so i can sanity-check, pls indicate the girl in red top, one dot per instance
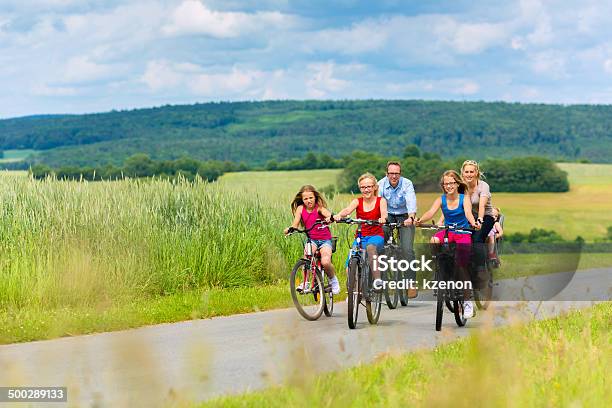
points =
(308, 206)
(369, 207)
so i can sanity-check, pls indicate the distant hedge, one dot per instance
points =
(526, 174)
(521, 174)
(141, 165)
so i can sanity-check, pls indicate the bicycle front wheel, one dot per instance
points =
(353, 295)
(373, 301)
(307, 291)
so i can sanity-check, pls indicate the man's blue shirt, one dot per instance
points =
(401, 199)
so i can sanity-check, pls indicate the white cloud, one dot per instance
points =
(83, 69)
(467, 88)
(160, 75)
(193, 17)
(472, 38)
(46, 90)
(321, 80)
(427, 39)
(455, 86)
(550, 64)
(366, 36)
(233, 82)
(608, 65)
(517, 43)
(165, 75)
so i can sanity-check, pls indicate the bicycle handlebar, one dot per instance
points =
(351, 221)
(307, 230)
(445, 227)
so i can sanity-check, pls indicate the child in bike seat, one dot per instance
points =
(496, 233)
(457, 212)
(309, 206)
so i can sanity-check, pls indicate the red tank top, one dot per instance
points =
(374, 215)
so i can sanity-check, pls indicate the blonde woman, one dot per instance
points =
(479, 194)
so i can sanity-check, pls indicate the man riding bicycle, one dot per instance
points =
(402, 208)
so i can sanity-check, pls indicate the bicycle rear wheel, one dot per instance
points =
(328, 307)
(439, 310)
(306, 291)
(482, 298)
(353, 295)
(391, 295)
(483, 294)
(459, 319)
(403, 293)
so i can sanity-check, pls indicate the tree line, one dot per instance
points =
(141, 165)
(424, 169)
(524, 174)
(262, 132)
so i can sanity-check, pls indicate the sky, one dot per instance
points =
(77, 56)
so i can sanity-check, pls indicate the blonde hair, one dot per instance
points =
(369, 176)
(479, 174)
(462, 188)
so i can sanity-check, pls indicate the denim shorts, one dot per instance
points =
(375, 240)
(320, 242)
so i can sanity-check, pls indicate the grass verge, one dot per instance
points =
(38, 324)
(562, 361)
(32, 323)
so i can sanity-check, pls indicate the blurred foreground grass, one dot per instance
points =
(559, 362)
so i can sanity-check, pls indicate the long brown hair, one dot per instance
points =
(452, 173)
(297, 200)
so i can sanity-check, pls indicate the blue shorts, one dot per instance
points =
(320, 242)
(376, 240)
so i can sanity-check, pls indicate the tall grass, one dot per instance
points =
(78, 243)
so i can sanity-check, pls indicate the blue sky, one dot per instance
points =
(74, 56)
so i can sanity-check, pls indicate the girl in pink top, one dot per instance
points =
(308, 206)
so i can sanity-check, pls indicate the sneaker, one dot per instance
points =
(303, 287)
(468, 309)
(335, 285)
(412, 293)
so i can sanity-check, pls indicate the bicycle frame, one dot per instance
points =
(314, 261)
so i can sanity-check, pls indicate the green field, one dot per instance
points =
(83, 257)
(585, 210)
(559, 362)
(11, 156)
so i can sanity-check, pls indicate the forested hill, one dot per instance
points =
(255, 132)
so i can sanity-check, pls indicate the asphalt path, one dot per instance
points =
(200, 359)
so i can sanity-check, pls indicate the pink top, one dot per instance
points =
(310, 218)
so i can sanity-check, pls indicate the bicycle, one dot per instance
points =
(359, 285)
(482, 297)
(453, 298)
(308, 280)
(393, 250)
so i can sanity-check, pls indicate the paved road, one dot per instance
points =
(199, 359)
